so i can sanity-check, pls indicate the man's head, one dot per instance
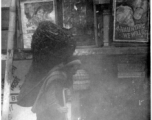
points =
(50, 42)
(70, 69)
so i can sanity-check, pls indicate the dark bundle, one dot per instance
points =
(51, 45)
(52, 41)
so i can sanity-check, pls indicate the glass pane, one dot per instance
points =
(78, 17)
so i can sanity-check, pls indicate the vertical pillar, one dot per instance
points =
(9, 60)
(106, 27)
(95, 24)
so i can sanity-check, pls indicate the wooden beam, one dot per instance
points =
(9, 60)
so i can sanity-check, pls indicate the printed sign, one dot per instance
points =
(131, 22)
(33, 12)
(13, 98)
(16, 112)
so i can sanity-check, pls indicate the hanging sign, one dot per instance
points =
(33, 12)
(131, 22)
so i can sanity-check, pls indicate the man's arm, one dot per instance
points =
(54, 97)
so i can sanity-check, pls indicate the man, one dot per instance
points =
(51, 72)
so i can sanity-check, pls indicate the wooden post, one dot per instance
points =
(95, 24)
(106, 23)
(9, 60)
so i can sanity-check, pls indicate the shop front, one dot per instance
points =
(112, 44)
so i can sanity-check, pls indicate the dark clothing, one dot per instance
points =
(31, 86)
(46, 115)
(44, 83)
(49, 96)
(46, 106)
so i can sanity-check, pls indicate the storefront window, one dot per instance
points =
(79, 18)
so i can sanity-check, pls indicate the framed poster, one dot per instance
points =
(33, 12)
(131, 20)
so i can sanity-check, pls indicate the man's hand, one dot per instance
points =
(62, 109)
